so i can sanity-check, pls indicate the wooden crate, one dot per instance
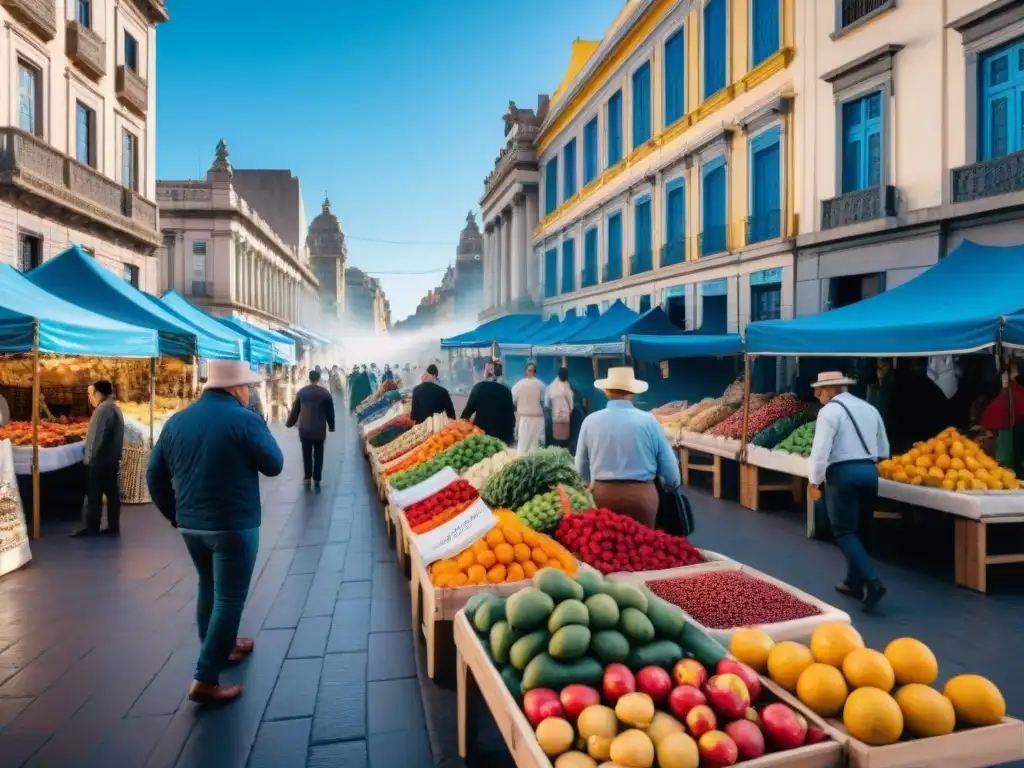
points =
(474, 671)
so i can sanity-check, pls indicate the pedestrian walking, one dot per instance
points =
(203, 476)
(429, 397)
(849, 438)
(561, 401)
(528, 399)
(490, 407)
(104, 442)
(622, 450)
(313, 411)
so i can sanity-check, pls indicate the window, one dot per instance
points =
(642, 260)
(765, 222)
(849, 12)
(30, 251)
(30, 98)
(568, 265)
(713, 207)
(85, 13)
(765, 29)
(675, 79)
(849, 289)
(862, 142)
(130, 273)
(645, 303)
(199, 287)
(675, 223)
(615, 129)
(551, 186)
(675, 305)
(569, 171)
(716, 47)
(85, 134)
(590, 163)
(590, 258)
(131, 52)
(614, 268)
(551, 273)
(1002, 101)
(129, 160)
(642, 105)
(765, 299)
(170, 246)
(714, 306)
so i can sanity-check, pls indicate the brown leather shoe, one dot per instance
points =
(243, 647)
(213, 695)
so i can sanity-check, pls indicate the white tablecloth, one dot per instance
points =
(50, 459)
(715, 446)
(973, 504)
(16, 556)
(777, 461)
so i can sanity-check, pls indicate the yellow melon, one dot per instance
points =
(786, 661)
(822, 688)
(976, 700)
(831, 642)
(912, 661)
(751, 645)
(926, 712)
(866, 667)
(873, 716)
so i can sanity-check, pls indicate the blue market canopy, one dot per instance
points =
(78, 279)
(259, 347)
(509, 329)
(954, 307)
(214, 340)
(603, 336)
(1013, 333)
(314, 337)
(651, 347)
(64, 328)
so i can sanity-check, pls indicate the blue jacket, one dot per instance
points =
(204, 471)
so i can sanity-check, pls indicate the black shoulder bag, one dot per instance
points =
(675, 514)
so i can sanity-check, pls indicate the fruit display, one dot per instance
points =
(61, 431)
(389, 431)
(545, 510)
(477, 474)
(681, 419)
(836, 676)
(733, 394)
(800, 441)
(510, 552)
(382, 391)
(437, 505)
(611, 542)
(538, 472)
(759, 418)
(404, 443)
(377, 408)
(709, 417)
(949, 461)
(727, 599)
(772, 435)
(609, 673)
(460, 456)
(433, 445)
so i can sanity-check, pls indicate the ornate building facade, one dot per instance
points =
(366, 308)
(226, 257)
(327, 255)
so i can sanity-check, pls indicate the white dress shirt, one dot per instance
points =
(836, 440)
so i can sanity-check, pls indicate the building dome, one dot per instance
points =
(325, 236)
(471, 242)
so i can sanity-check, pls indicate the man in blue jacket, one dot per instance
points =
(203, 476)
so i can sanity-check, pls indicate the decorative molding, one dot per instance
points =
(879, 62)
(712, 145)
(764, 114)
(519, 198)
(988, 19)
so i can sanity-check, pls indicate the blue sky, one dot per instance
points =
(394, 108)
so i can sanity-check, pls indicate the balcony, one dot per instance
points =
(673, 253)
(999, 176)
(641, 262)
(712, 240)
(64, 188)
(86, 49)
(764, 226)
(858, 206)
(131, 89)
(588, 278)
(856, 12)
(40, 15)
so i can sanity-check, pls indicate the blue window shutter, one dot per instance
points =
(675, 223)
(590, 152)
(551, 273)
(765, 29)
(675, 82)
(642, 234)
(642, 104)
(766, 195)
(615, 246)
(716, 48)
(714, 207)
(615, 128)
(1001, 105)
(645, 303)
(862, 138)
(551, 186)
(590, 257)
(569, 170)
(568, 265)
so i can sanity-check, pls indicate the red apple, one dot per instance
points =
(784, 728)
(748, 737)
(617, 682)
(815, 735)
(700, 720)
(717, 750)
(733, 666)
(728, 695)
(541, 703)
(689, 672)
(683, 698)
(655, 682)
(575, 698)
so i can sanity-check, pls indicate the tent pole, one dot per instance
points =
(35, 429)
(746, 407)
(152, 398)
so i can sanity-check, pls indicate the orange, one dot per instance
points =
(521, 552)
(926, 712)
(786, 661)
(466, 559)
(831, 642)
(865, 667)
(751, 645)
(515, 573)
(486, 558)
(480, 546)
(873, 716)
(976, 700)
(504, 553)
(512, 535)
(459, 580)
(497, 574)
(530, 569)
(477, 574)
(495, 537)
(912, 661)
(539, 556)
(822, 688)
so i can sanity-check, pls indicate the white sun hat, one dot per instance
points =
(833, 379)
(223, 374)
(622, 378)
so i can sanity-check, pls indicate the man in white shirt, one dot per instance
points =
(849, 439)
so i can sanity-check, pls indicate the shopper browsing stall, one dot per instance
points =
(561, 400)
(849, 438)
(622, 450)
(491, 408)
(102, 457)
(528, 398)
(429, 397)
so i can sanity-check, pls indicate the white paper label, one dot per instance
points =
(417, 493)
(456, 535)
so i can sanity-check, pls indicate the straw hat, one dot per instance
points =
(224, 374)
(622, 379)
(833, 379)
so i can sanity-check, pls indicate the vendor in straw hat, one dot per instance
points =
(849, 438)
(622, 449)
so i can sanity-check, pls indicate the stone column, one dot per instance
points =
(532, 262)
(509, 255)
(520, 288)
(499, 257)
(488, 265)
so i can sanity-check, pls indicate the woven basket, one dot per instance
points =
(134, 460)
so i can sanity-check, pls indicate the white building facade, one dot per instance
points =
(77, 133)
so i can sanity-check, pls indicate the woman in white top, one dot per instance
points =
(561, 401)
(528, 398)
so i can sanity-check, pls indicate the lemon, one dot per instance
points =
(864, 667)
(912, 661)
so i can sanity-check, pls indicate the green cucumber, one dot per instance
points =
(546, 672)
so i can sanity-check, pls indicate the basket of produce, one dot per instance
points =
(404, 443)
(393, 429)
(709, 417)
(431, 447)
(132, 477)
(949, 461)
(478, 474)
(460, 456)
(583, 671)
(537, 472)
(544, 511)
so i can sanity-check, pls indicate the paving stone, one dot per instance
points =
(358, 565)
(340, 713)
(394, 705)
(405, 748)
(287, 609)
(390, 656)
(280, 744)
(350, 626)
(128, 743)
(333, 557)
(310, 637)
(11, 708)
(323, 594)
(345, 754)
(306, 560)
(295, 692)
(354, 590)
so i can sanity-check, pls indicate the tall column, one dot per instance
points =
(488, 265)
(499, 256)
(532, 260)
(506, 262)
(519, 285)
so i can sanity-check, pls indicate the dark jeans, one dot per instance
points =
(313, 459)
(102, 481)
(224, 561)
(851, 488)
